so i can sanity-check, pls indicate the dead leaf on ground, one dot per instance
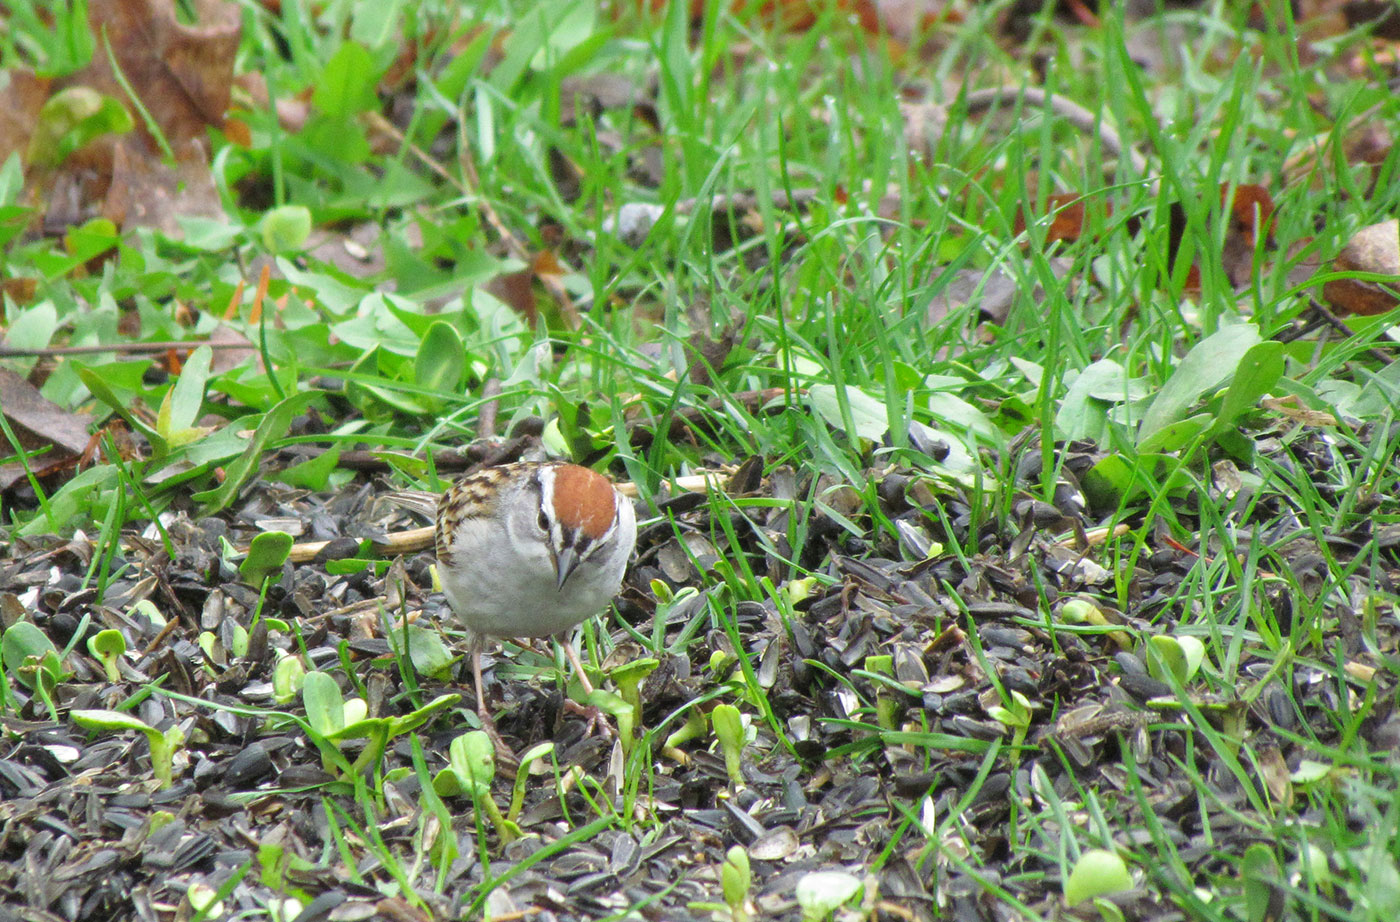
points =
(1250, 210)
(1371, 249)
(20, 102)
(182, 74)
(38, 423)
(147, 192)
(1068, 212)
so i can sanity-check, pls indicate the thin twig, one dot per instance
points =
(1332, 320)
(7, 352)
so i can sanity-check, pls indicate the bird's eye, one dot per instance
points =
(543, 521)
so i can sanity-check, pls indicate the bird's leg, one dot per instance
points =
(504, 755)
(595, 718)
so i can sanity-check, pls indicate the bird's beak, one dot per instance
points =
(564, 565)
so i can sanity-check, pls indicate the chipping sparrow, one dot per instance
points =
(529, 550)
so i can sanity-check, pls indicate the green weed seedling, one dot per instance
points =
(431, 657)
(629, 677)
(266, 554)
(69, 120)
(1017, 716)
(288, 678)
(1097, 872)
(333, 720)
(693, 728)
(1181, 656)
(32, 658)
(735, 880)
(886, 704)
(284, 229)
(108, 647)
(1082, 611)
(728, 724)
(164, 744)
(471, 768)
(623, 713)
(821, 893)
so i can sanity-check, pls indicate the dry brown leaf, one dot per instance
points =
(38, 423)
(20, 103)
(182, 74)
(147, 192)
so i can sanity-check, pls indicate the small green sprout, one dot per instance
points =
(821, 893)
(1017, 716)
(886, 704)
(29, 655)
(285, 229)
(266, 554)
(1179, 656)
(693, 728)
(471, 767)
(799, 590)
(522, 777)
(1082, 611)
(288, 677)
(735, 879)
(334, 719)
(164, 745)
(1095, 873)
(238, 643)
(628, 679)
(729, 730)
(108, 647)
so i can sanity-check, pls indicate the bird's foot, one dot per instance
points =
(597, 720)
(505, 756)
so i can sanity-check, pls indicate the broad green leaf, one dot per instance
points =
(1256, 375)
(1115, 478)
(274, 424)
(472, 757)
(868, 419)
(1083, 414)
(441, 360)
(325, 708)
(429, 654)
(181, 405)
(312, 474)
(347, 86)
(34, 328)
(1175, 436)
(952, 412)
(22, 644)
(1212, 361)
